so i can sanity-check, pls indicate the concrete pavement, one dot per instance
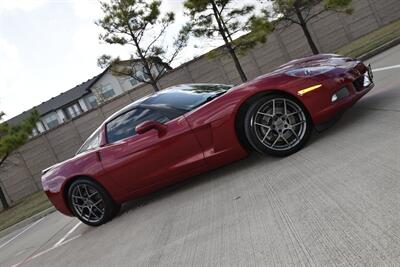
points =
(336, 202)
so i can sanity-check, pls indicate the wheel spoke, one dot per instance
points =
(276, 141)
(265, 136)
(294, 113)
(265, 114)
(273, 107)
(284, 139)
(294, 133)
(98, 202)
(78, 205)
(284, 107)
(87, 192)
(297, 123)
(90, 213)
(101, 212)
(262, 125)
(79, 190)
(78, 197)
(93, 194)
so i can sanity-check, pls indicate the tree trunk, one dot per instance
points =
(155, 87)
(2, 195)
(228, 44)
(145, 63)
(237, 64)
(303, 25)
(3, 199)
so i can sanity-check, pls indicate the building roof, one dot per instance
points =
(59, 101)
(71, 95)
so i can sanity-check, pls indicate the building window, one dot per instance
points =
(133, 81)
(107, 91)
(51, 121)
(141, 75)
(91, 101)
(73, 111)
(145, 75)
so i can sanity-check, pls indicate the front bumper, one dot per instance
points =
(57, 199)
(341, 92)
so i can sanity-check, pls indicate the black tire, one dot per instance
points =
(91, 203)
(277, 125)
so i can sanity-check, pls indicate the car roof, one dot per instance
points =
(172, 89)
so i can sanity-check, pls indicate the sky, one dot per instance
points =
(49, 46)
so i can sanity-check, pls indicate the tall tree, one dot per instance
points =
(11, 138)
(301, 12)
(141, 25)
(215, 19)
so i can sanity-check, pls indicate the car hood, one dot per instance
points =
(318, 61)
(332, 60)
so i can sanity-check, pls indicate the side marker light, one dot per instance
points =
(308, 89)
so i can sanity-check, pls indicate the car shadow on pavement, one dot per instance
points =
(195, 181)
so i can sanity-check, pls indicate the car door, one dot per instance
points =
(138, 161)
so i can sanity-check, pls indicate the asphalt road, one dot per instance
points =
(336, 202)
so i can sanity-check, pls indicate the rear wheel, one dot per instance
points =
(91, 203)
(277, 125)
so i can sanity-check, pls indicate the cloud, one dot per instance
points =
(10, 68)
(10, 63)
(24, 5)
(86, 8)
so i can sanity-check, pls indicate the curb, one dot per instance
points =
(27, 221)
(379, 49)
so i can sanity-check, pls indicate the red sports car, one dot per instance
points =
(188, 129)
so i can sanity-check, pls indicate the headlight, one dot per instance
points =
(309, 71)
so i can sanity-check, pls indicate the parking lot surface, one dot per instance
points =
(336, 202)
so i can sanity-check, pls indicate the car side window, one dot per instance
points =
(92, 142)
(124, 125)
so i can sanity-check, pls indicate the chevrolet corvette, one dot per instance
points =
(188, 129)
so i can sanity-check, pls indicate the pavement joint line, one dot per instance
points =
(69, 232)
(46, 251)
(386, 68)
(19, 234)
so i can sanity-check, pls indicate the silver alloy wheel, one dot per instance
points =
(279, 124)
(88, 203)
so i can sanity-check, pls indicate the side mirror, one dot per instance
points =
(151, 125)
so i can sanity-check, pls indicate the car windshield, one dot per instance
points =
(187, 97)
(91, 143)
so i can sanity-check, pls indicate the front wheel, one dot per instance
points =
(91, 203)
(277, 125)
